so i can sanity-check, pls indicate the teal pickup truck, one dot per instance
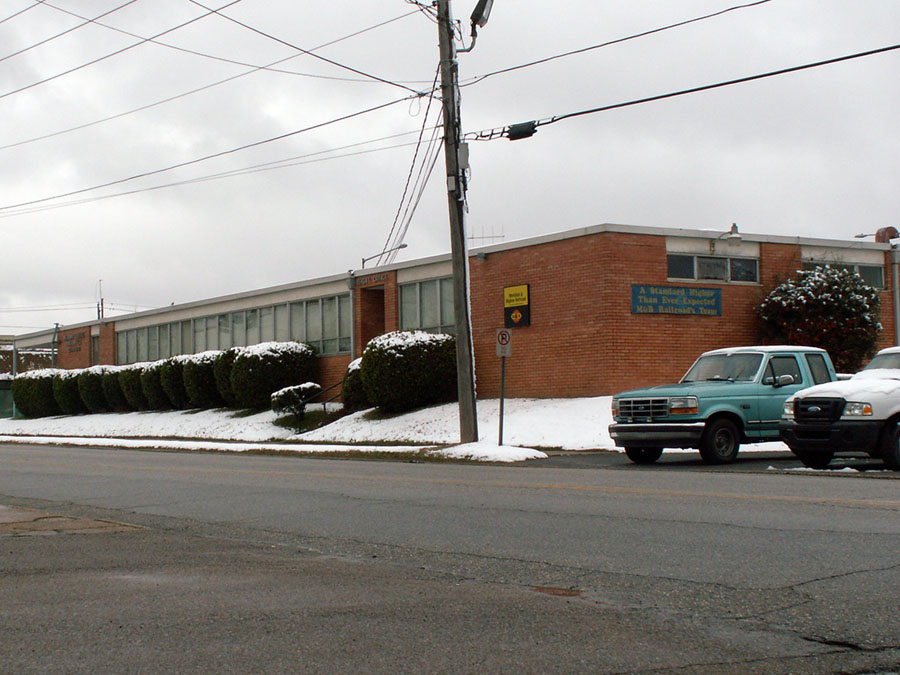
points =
(728, 397)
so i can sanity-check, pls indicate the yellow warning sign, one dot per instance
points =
(515, 296)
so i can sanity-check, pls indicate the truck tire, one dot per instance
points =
(814, 460)
(890, 446)
(643, 455)
(721, 442)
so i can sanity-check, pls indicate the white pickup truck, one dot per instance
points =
(861, 414)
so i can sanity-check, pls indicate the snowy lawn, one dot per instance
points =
(530, 426)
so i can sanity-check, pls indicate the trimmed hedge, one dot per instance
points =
(404, 370)
(33, 393)
(353, 392)
(90, 388)
(65, 391)
(112, 390)
(200, 380)
(151, 385)
(293, 400)
(171, 379)
(222, 373)
(130, 383)
(261, 370)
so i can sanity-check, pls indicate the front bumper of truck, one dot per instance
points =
(657, 434)
(839, 436)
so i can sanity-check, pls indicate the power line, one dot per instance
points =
(304, 51)
(110, 55)
(528, 128)
(253, 69)
(645, 33)
(67, 31)
(208, 157)
(21, 11)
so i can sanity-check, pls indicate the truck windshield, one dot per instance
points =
(730, 367)
(884, 361)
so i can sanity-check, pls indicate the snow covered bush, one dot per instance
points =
(112, 390)
(65, 391)
(353, 393)
(151, 385)
(293, 400)
(260, 370)
(171, 379)
(200, 380)
(828, 307)
(130, 384)
(33, 393)
(222, 372)
(409, 369)
(90, 388)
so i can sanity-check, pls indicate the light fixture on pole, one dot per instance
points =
(378, 255)
(732, 234)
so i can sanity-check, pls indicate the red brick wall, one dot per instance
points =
(376, 307)
(331, 370)
(74, 348)
(107, 344)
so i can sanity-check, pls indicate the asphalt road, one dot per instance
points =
(580, 563)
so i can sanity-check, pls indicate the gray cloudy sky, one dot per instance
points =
(814, 153)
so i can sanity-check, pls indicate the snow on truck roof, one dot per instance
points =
(766, 349)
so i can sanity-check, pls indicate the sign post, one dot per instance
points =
(504, 349)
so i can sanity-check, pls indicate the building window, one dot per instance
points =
(428, 306)
(712, 268)
(873, 275)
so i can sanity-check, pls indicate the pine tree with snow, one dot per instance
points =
(828, 307)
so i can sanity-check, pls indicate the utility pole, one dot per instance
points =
(456, 197)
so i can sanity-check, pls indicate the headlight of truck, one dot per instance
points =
(615, 407)
(857, 409)
(683, 405)
(787, 412)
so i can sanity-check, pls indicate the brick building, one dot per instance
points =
(610, 307)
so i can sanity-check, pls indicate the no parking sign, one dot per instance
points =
(504, 342)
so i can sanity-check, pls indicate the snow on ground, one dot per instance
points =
(529, 425)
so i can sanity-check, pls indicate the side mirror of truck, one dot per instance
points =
(784, 380)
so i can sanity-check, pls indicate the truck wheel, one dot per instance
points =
(643, 455)
(815, 460)
(720, 442)
(890, 447)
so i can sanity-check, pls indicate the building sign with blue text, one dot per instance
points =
(676, 300)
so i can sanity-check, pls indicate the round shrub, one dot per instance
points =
(151, 385)
(171, 379)
(262, 369)
(65, 391)
(33, 393)
(222, 372)
(293, 400)
(130, 384)
(90, 388)
(409, 369)
(112, 390)
(353, 393)
(200, 380)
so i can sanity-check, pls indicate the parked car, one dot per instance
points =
(861, 414)
(728, 397)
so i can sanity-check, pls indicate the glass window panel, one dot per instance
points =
(224, 331)
(142, 351)
(187, 335)
(712, 268)
(212, 332)
(282, 323)
(448, 318)
(329, 319)
(131, 350)
(344, 344)
(298, 322)
(330, 346)
(252, 326)
(267, 324)
(121, 349)
(153, 343)
(164, 351)
(681, 266)
(313, 322)
(409, 306)
(345, 323)
(872, 275)
(818, 368)
(429, 305)
(238, 330)
(743, 269)
(174, 338)
(200, 335)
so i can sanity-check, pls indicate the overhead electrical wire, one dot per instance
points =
(253, 69)
(22, 11)
(68, 30)
(505, 131)
(110, 55)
